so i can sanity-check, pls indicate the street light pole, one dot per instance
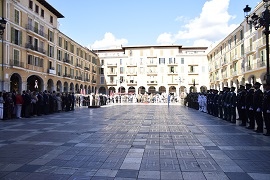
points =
(261, 22)
(2, 29)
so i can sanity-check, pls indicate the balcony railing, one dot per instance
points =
(66, 60)
(51, 71)
(36, 30)
(94, 81)
(16, 63)
(152, 82)
(260, 64)
(35, 48)
(79, 65)
(111, 64)
(66, 75)
(86, 68)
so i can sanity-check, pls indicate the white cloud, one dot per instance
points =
(210, 26)
(165, 39)
(108, 41)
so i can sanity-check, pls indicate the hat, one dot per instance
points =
(257, 83)
(232, 87)
(241, 86)
(247, 84)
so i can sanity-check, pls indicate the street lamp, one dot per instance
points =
(262, 21)
(2, 29)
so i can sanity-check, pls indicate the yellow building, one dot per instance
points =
(35, 55)
(240, 58)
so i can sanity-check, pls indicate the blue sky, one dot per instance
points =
(112, 23)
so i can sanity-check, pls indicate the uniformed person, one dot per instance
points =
(242, 105)
(220, 105)
(266, 108)
(249, 106)
(257, 107)
(233, 101)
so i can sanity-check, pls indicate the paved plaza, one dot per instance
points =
(131, 142)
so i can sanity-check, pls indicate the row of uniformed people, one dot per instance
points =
(252, 105)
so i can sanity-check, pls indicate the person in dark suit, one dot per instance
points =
(266, 108)
(249, 106)
(220, 104)
(242, 105)
(233, 102)
(257, 106)
(224, 100)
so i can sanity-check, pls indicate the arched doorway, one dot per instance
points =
(172, 89)
(121, 90)
(152, 89)
(85, 89)
(71, 87)
(93, 89)
(192, 89)
(162, 89)
(89, 90)
(65, 87)
(141, 90)
(35, 83)
(16, 83)
(50, 86)
(102, 90)
(111, 90)
(59, 86)
(203, 89)
(77, 90)
(131, 90)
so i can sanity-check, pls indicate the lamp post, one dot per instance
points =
(2, 29)
(262, 21)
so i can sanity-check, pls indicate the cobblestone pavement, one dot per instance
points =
(131, 142)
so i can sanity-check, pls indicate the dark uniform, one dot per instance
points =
(242, 106)
(220, 104)
(249, 106)
(257, 106)
(233, 101)
(266, 108)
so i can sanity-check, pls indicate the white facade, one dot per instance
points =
(139, 69)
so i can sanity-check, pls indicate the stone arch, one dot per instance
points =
(102, 90)
(141, 90)
(89, 90)
(93, 89)
(65, 87)
(121, 90)
(50, 85)
(77, 89)
(59, 86)
(203, 89)
(131, 90)
(162, 89)
(85, 90)
(16, 82)
(71, 87)
(151, 89)
(35, 83)
(111, 90)
(172, 89)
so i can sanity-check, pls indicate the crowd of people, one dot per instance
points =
(28, 104)
(250, 103)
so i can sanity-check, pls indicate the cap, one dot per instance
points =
(247, 84)
(241, 86)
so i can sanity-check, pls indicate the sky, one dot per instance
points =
(106, 24)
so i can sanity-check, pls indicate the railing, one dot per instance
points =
(16, 63)
(36, 30)
(79, 65)
(66, 75)
(35, 48)
(94, 81)
(111, 64)
(51, 71)
(66, 60)
(86, 68)
(260, 64)
(152, 82)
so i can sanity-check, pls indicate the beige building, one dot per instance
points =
(140, 69)
(240, 58)
(35, 55)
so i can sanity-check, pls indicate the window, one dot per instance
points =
(72, 48)
(16, 36)
(41, 30)
(59, 69)
(36, 27)
(50, 35)
(50, 51)
(121, 61)
(102, 62)
(121, 70)
(235, 38)
(30, 4)
(16, 56)
(242, 50)
(60, 41)
(66, 45)
(191, 69)
(59, 55)
(161, 60)
(241, 35)
(182, 60)
(42, 13)
(101, 80)
(17, 16)
(51, 19)
(30, 59)
(37, 9)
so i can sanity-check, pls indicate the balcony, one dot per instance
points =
(94, 71)
(36, 30)
(93, 81)
(249, 68)
(261, 64)
(111, 64)
(131, 82)
(87, 68)
(192, 72)
(111, 73)
(86, 79)
(66, 75)
(35, 48)
(132, 73)
(66, 60)
(112, 83)
(78, 77)
(16, 63)
(152, 73)
(131, 64)
(172, 72)
(51, 71)
(151, 64)
(151, 82)
(250, 49)
(78, 65)
(59, 74)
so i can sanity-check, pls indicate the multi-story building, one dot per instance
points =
(35, 55)
(140, 69)
(239, 58)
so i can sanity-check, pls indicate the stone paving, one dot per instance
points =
(131, 142)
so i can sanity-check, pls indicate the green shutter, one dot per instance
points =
(12, 35)
(20, 40)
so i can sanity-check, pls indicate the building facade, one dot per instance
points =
(239, 58)
(35, 55)
(153, 69)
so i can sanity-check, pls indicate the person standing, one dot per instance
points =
(18, 102)
(242, 105)
(266, 108)
(257, 106)
(1, 106)
(249, 106)
(233, 102)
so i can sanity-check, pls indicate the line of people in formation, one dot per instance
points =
(251, 103)
(28, 104)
